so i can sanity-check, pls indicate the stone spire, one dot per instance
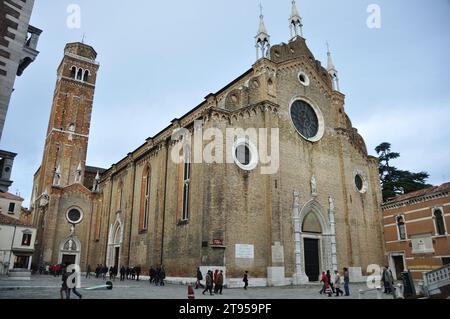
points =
(57, 178)
(262, 38)
(96, 187)
(78, 174)
(332, 70)
(295, 22)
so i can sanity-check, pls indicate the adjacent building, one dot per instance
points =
(18, 49)
(17, 236)
(416, 230)
(309, 202)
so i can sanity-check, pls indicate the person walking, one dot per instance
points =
(322, 290)
(209, 283)
(122, 273)
(337, 284)
(133, 273)
(220, 282)
(330, 281)
(138, 272)
(326, 285)
(245, 280)
(199, 279)
(111, 273)
(104, 272)
(388, 280)
(64, 288)
(88, 271)
(216, 276)
(346, 282)
(151, 273)
(74, 289)
(162, 276)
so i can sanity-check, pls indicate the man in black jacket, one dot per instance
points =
(199, 278)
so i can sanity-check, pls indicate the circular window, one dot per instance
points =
(74, 216)
(303, 78)
(307, 120)
(245, 155)
(360, 183)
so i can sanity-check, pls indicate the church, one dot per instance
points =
(319, 209)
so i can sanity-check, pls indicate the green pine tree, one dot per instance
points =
(393, 180)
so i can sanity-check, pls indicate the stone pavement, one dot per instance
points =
(47, 287)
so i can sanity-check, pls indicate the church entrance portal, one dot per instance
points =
(68, 259)
(312, 261)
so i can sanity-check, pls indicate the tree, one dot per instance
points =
(395, 181)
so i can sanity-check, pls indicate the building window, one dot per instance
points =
(119, 197)
(401, 228)
(245, 154)
(303, 78)
(73, 72)
(80, 74)
(74, 216)
(26, 240)
(145, 198)
(86, 75)
(439, 222)
(186, 183)
(11, 208)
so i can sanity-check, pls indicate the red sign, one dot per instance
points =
(218, 242)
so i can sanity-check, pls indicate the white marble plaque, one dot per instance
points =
(277, 253)
(245, 251)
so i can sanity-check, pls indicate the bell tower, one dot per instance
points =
(66, 142)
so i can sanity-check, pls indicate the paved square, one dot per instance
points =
(47, 287)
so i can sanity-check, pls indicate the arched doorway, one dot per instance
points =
(115, 243)
(312, 235)
(313, 241)
(69, 251)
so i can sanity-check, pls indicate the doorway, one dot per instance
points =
(116, 257)
(68, 259)
(399, 265)
(312, 260)
(21, 262)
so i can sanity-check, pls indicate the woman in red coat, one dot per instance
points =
(326, 284)
(216, 277)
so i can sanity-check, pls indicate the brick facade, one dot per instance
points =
(228, 205)
(418, 212)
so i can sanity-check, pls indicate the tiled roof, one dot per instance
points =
(426, 191)
(6, 220)
(11, 196)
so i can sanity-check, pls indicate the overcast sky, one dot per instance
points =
(159, 59)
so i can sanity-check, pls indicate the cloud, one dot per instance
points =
(419, 132)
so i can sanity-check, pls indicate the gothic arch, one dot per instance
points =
(73, 249)
(313, 206)
(323, 241)
(115, 240)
